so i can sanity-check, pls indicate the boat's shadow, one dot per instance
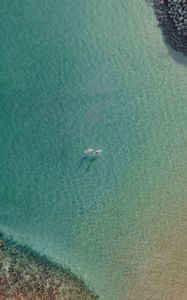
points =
(86, 163)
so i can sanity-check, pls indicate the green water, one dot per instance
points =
(79, 74)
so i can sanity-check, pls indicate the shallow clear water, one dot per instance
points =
(78, 74)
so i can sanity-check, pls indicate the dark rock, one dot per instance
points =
(2, 243)
(172, 17)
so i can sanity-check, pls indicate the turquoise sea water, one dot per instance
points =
(79, 74)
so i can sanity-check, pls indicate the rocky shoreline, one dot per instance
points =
(172, 17)
(24, 275)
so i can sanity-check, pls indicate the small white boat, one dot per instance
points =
(97, 152)
(89, 151)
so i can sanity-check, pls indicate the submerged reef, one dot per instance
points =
(172, 17)
(26, 275)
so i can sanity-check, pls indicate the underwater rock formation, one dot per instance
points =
(172, 17)
(26, 275)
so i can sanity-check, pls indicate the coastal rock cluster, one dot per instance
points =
(178, 13)
(24, 275)
(172, 18)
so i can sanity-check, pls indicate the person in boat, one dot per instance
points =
(98, 152)
(89, 151)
